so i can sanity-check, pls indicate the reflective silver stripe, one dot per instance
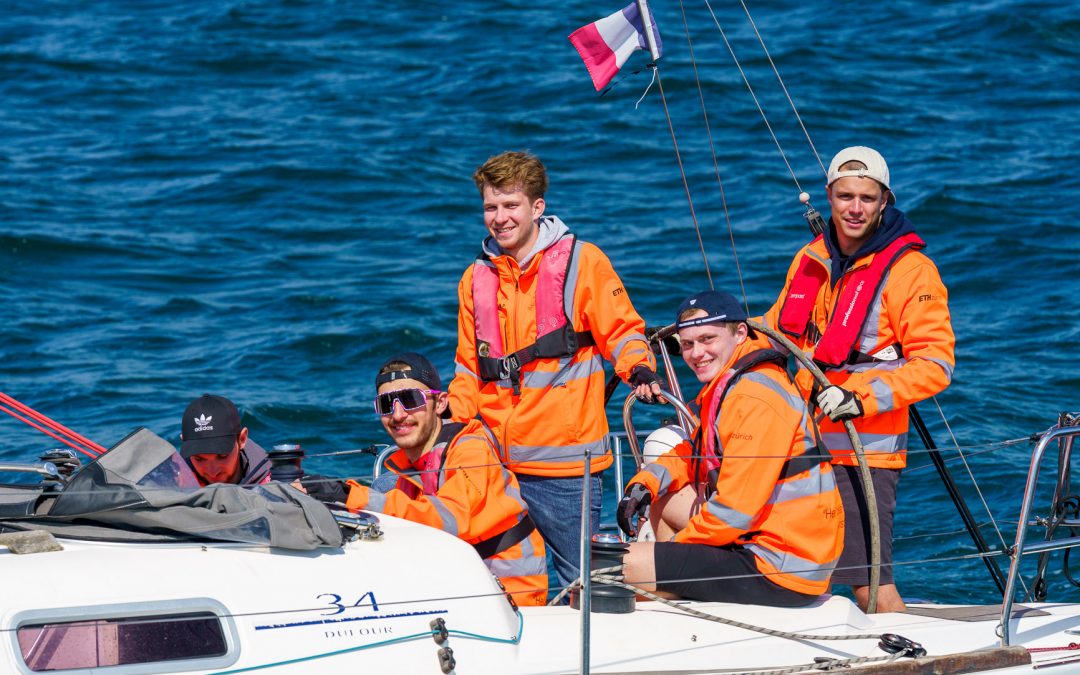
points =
(517, 567)
(945, 365)
(728, 515)
(556, 453)
(809, 442)
(868, 338)
(376, 501)
(794, 401)
(662, 475)
(883, 366)
(871, 442)
(883, 395)
(543, 379)
(570, 284)
(449, 523)
(818, 258)
(789, 563)
(460, 367)
(808, 486)
(622, 344)
(513, 492)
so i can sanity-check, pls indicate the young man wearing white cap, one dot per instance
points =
(873, 310)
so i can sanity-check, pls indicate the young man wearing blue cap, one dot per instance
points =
(747, 510)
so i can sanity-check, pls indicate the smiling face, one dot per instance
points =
(512, 219)
(857, 205)
(708, 348)
(414, 431)
(211, 468)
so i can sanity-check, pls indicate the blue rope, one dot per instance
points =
(486, 638)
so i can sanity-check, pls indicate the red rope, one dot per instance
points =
(77, 441)
(1072, 645)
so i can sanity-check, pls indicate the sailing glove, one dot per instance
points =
(643, 375)
(632, 507)
(327, 490)
(839, 403)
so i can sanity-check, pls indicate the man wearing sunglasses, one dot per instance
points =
(216, 446)
(539, 313)
(450, 476)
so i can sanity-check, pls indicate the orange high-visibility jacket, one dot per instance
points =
(559, 414)
(775, 494)
(910, 314)
(477, 499)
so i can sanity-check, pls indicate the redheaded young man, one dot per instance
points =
(873, 310)
(450, 476)
(539, 312)
(217, 446)
(768, 530)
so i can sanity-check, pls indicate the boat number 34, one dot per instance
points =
(335, 601)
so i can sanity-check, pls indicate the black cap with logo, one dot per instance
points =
(210, 426)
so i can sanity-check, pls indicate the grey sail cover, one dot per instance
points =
(142, 483)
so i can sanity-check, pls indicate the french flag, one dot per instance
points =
(605, 45)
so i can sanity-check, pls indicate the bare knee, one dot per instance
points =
(639, 567)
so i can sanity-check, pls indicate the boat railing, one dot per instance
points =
(1063, 434)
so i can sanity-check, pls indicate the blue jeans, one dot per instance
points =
(555, 507)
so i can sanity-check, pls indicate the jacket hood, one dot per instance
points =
(894, 224)
(551, 230)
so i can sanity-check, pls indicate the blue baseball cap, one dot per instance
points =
(719, 307)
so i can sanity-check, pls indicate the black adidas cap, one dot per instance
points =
(210, 426)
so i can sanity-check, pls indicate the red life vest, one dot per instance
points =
(705, 439)
(555, 334)
(838, 343)
(430, 468)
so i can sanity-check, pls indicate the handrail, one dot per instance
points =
(1019, 549)
(46, 469)
(631, 432)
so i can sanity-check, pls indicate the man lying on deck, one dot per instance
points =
(449, 476)
(766, 527)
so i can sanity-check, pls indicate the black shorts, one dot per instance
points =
(679, 565)
(853, 568)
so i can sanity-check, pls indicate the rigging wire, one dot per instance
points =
(986, 447)
(750, 88)
(682, 171)
(712, 153)
(783, 86)
(967, 467)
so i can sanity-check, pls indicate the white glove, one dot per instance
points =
(839, 403)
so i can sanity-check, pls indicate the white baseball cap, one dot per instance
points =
(876, 167)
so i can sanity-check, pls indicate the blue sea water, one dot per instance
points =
(265, 198)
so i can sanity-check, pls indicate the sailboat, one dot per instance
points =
(124, 565)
